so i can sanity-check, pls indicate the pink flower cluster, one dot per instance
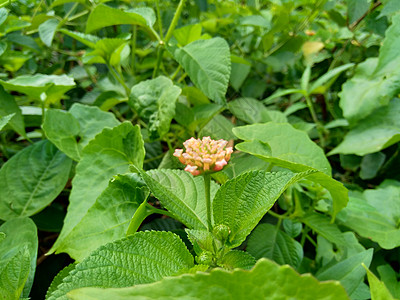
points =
(204, 155)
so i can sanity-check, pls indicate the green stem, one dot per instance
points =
(315, 119)
(160, 52)
(133, 50)
(174, 21)
(159, 19)
(304, 235)
(207, 183)
(121, 81)
(138, 217)
(160, 211)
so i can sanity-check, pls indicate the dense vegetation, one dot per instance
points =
(96, 96)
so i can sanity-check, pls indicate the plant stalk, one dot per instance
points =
(138, 217)
(207, 183)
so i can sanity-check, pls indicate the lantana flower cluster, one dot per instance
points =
(204, 155)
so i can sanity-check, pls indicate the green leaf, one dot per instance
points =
(378, 289)
(154, 101)
(219, 127)
(208, 65)
(53, 87)
(187, 34)
(115, 208)
(389, 277)
(292, 228)
(144, 257)
(47, 31)
(18, 252)
(292, 149)
(322, 84)
(181, 194)
(237, 259)
(82, 121)
(9, 106)
(270, 242)
(202, 240)
(374, 133)
(109, 153)
(241, 202)
(103, 16)
(240, 69)
(265, 280)
(3, 15)
(249, 110)
(375, 215)
(86, 39)
(376, 81)
(280, 93)
(370, 165)
(356, 9)
(349, 272)
(59, 278)
(390, 7)
(32, 179)
(5, 120)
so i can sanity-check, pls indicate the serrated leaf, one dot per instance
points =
(47, 31)
(349, 272)
(57, 280)
(378, 289)
(82, 121)
(265, 280)
(180, 193)
(154, 101)
(53, 87)
(103, 16)
(219, 127)
(5, 120)
(9, 106)
(208, 65)
(270, 242)
(375, 215)
(202, 240)
(140, 258)
(18, 252)
(109, 153)
(374, 133)
(32, 179)
(237, 259)
(241, 202)
(292, 149)
(115, 208)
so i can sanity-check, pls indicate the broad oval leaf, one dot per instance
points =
(47, 31)
(292, 149)
(109, 153)
(266, 280)
(18, 252)
(181, 193)
(140, 258)
(241, 202)
(268, 241)
(115, 208)
(208, 64)
(32, 179)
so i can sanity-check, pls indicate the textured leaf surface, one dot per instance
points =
(115, 208)
(292, 149)
(375, 81)
(154, 100)
(5, 120)
(375, 215)
(249, 110)
(208, 64)
(242, 201)
(84, 122)
(270, 242)
(141, 258)
(266, 280)
(374, 133)
(32, 179)
(53, 86)
(237, 259)
(182, 194)
(9, 106)
(109, 153)
(18, 253)
(349, 272)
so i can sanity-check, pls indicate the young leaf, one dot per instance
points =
(237, 259)
(182, 194)
(9, 106)
(18, 252)
(140, 258)
(154, 100)
(115, 208)
(63, 128)
(187, 34)
(32, 179)
(208, 64)
(266, 280)
(349, 272)
(109, 153)
(374, 133)
(47, 31)
(242, 201)
(270, 242)
(378, 289)
(5, 120)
